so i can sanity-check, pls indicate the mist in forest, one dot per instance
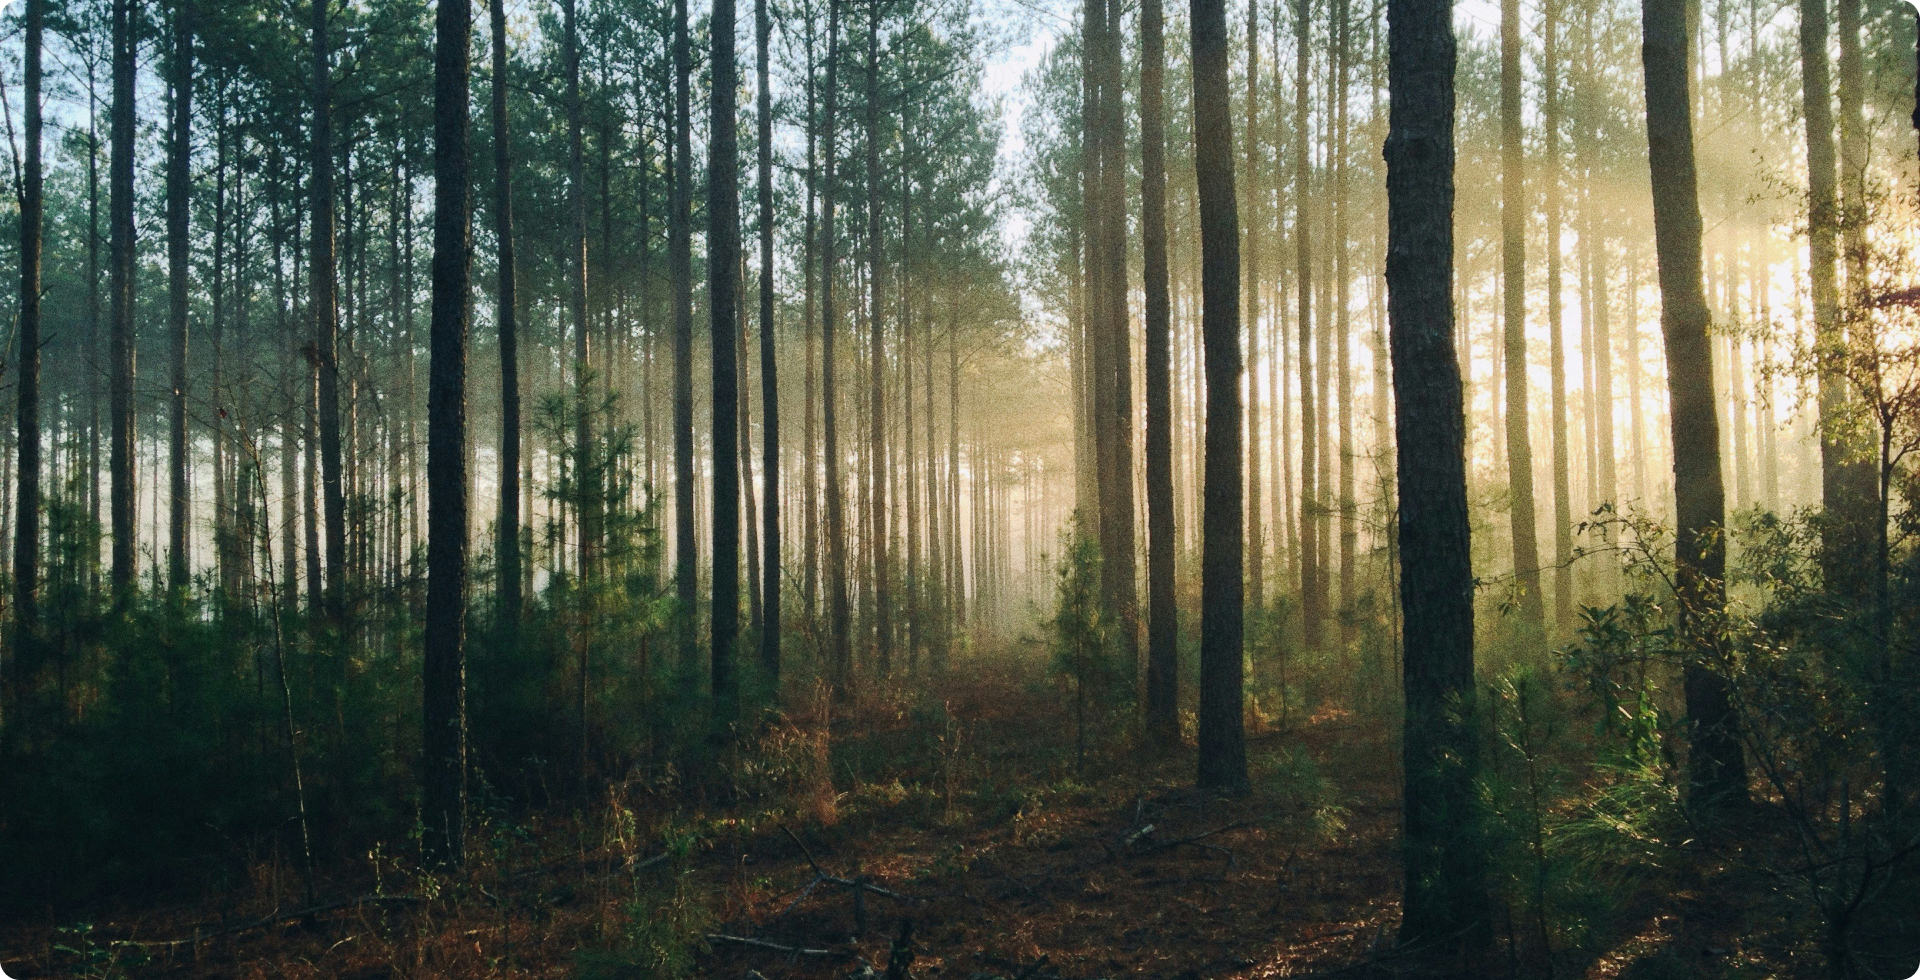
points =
(1013, 489)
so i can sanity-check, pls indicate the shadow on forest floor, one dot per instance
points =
(971, 820)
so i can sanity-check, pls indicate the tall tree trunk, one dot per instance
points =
(1163, 630)
(1843, 544)
(1312, 613)
(26, 540)
(92, 343)
(1256, 216)
(326, 320)
(586, 464)
(1851, 91)
(290, 427)
(723, 263)
(812, 273)
(957, 573)
(769, 381)
(1513, 250)
(1556, 335)
(879, 516)
(1223, 752)
(1716, 766)
(1349, 527)
(179, 283)
(839, 610)
(1445, 903)
(444, 726)
(680, 262)
(937, 586)
(120, 291)
(909, 457)
(1118, 423)
(1859, 499)
(750, 522)
(506, 297)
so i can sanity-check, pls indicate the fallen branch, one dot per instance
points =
(716, 937)
(822, 877)
(1154, 847)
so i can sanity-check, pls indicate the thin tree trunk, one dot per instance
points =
(93, 366)
(179, 255)
(723, 262)
(957, 573)
(879, 517)
(680, 262)
(1513, 226)
(1163, 655)
(909, 457)
(1843, 545)
(444, 726)
(769, 382)
(813, 274)
(1312, 613)
(507, 541)
(839, 611)
(1349, 528)
(1556, 336)
(120, 290)
(1256, 529)
(750, 524)
(26, 541)
(326, 320)
(1223, 753)
(586, 464)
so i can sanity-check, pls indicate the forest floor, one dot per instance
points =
(1010, 854)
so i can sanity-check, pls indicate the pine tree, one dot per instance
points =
(444, 726)
(1223, 752)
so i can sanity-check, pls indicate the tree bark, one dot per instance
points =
(1445, 905)
(26, 540)
(1342, 313)
(839, 610)
(1118, 577)
(680, 262)
(1556, 332)
(326, 320)
(1163, 636)
(179, 286)
(1513, 251)
(812, 273)
(879, 515)
(769, 382)
(120, 291)
(587, 466)
(1250, 290)
(1312, 612)
(723, 263)
(1716, 768)
(1843, 542)
(444, 727)
(507, 539)
(1223, 753)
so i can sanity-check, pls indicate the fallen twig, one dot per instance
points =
(857, 884)
(1154, 847)
(716, 937)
